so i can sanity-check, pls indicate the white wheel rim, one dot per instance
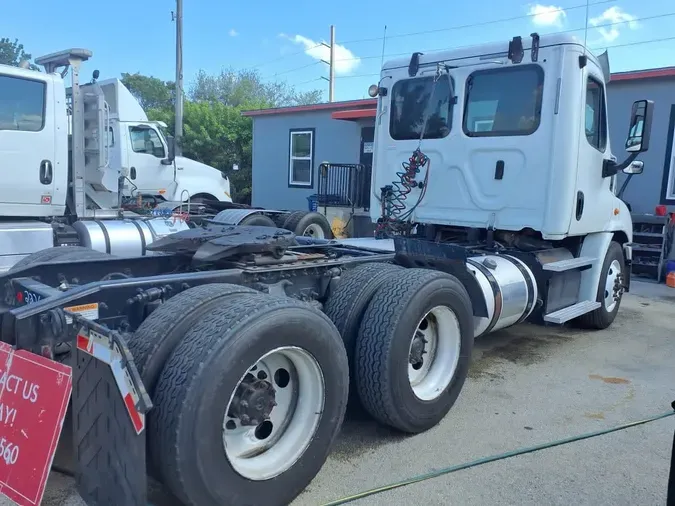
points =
(263, 451)
(315, 231)
(430, 377)
(613, 275)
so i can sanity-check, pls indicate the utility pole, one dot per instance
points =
(178, 133)
(331, 77)
(331, 65)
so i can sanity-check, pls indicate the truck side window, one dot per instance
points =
(22, 104)
(596, 117)
(146, 140)
(503, 102)
(412, 105)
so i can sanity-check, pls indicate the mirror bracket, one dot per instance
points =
(611, 168)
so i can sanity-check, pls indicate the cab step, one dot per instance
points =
(569, 264)
(570, 312)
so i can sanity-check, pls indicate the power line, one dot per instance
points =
(438, 30)
(282, 57)
(472, 25)
(313, 64)
(605, 25)
(625, 44)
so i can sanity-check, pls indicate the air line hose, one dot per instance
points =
(503, 456)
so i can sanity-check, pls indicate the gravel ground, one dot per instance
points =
(527, 385)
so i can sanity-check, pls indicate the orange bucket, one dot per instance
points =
(670, 279)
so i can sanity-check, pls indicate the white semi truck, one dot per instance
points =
(238, 346)
(82, 165)
(138, 150)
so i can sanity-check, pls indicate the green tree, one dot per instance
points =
(13, 53)
(246, 88)
(214, 131)
(151, 92)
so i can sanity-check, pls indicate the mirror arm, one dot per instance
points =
(610, 168)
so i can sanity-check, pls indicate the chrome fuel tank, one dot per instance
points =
(509, 288)
(125, 238)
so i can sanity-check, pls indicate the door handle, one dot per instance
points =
(132, 172)
(580, 205)
(46, 172)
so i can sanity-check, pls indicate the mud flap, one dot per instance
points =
(109, 404)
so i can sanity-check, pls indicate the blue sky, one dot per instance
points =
(278, 38)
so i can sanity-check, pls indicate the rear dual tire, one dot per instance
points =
(412, 312)
(194, 391)
(409, 336)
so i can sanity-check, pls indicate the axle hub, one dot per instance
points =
(253, 402)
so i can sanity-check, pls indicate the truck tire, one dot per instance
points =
(614, 265)
(310, 224)
(348, 302)
(58, 253)
(416, 314)
(258, 220)
(155, 339)
(284, 343)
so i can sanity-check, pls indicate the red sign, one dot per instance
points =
(34, 394)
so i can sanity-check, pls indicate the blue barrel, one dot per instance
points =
(313, 203)
(670, 266)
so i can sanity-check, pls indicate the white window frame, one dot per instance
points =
(291, 158)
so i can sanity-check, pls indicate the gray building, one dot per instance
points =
(291, 143)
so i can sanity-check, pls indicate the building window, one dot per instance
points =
(301, 159)
(668, 184)
(146, 140)
(502, 102)
(414, 109)
(22, 104)
(596, 118)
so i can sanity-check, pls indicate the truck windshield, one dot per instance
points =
(412, 103)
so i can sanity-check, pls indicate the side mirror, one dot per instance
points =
(171, 146)
(635, 167)
(640, 126)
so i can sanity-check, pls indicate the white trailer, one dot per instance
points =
(492, 176)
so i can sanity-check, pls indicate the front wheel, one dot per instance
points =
(249, 403)
(610, 290)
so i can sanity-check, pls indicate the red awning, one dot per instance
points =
(353, 114)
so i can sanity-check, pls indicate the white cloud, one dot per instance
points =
(547, 15)
(617, 17)
(345, 60)
(233, 32)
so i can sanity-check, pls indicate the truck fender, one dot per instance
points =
(233, 216)
(595, 245)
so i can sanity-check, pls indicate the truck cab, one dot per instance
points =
(132, 158)
(33, 143)
(516, 138)
(503, 149)
(140, 149)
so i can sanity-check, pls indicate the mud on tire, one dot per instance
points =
(197, 384)
(384, 348)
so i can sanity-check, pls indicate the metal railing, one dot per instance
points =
(344, 185)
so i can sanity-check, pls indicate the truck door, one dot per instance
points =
(594, 198)
(146, 152)
(27, 144)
